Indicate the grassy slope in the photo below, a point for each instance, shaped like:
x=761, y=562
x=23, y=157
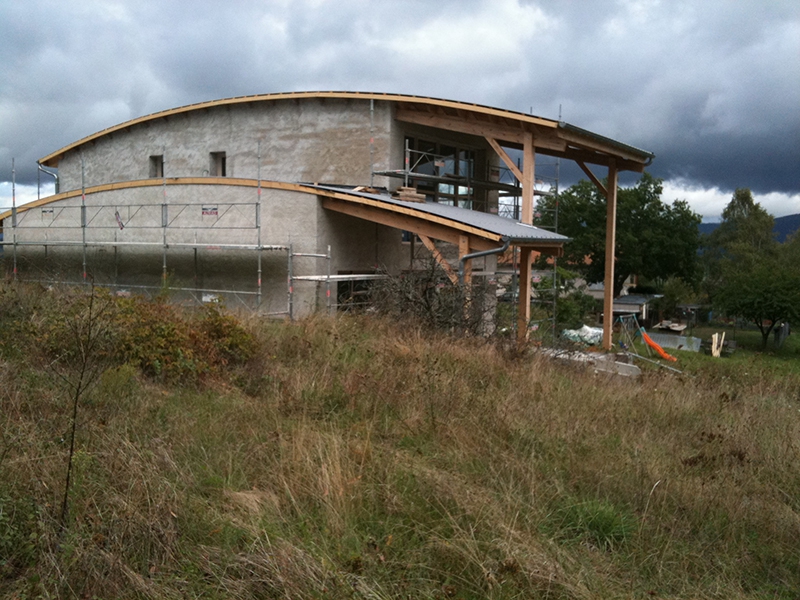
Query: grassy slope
x=353, y=458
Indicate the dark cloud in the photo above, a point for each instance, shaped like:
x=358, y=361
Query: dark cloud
x=711, y=87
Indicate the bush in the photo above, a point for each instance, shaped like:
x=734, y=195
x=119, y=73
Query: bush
x=430, y=298
x=162, y=340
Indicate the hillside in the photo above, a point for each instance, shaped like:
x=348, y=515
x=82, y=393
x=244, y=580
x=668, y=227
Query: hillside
x=220, y=457
x=784, y=227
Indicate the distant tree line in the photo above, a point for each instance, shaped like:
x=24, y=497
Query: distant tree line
x=739, y=269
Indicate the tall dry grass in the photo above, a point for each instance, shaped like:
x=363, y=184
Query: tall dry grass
x=359, y=458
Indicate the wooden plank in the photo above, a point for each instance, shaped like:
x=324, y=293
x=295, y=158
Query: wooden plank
x=403, y=210
x=473, y=232
x=495, y=123
x=528, y=177
x=463, y=250
x=593, y=177
x=441, y=260
x=611, y=234
x=546, y=250
x=505, y=158
x=594, y=158
x=590, y=143
x=380, y=212
x=524, y=300
x=477, y=128
x=139, y=183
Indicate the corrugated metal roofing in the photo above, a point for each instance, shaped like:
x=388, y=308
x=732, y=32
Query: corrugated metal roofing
x=508, y=229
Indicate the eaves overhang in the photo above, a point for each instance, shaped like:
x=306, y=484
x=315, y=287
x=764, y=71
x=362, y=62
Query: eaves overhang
x=553, y=137
x=648, y=156
x=489, y=227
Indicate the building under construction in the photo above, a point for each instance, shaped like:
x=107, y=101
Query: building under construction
x=282, y=201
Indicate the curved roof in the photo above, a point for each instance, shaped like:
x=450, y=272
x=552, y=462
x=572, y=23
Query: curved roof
x=510, y=121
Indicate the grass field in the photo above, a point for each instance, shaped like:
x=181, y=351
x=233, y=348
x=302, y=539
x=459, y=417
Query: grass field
x=748, y=357
x=231, y=457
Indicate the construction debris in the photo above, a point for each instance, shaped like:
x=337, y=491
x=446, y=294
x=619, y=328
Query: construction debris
x=599, y=362
x=592, y=336
x=409, y=194
x=717, y=342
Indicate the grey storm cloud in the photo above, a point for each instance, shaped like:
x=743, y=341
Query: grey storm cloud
x=712, y=88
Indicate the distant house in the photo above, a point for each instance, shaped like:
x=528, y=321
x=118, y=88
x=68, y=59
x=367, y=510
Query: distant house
x=635, y=304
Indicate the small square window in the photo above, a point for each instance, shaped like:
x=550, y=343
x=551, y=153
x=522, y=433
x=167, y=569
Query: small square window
x=156, y=166
x=218, y=166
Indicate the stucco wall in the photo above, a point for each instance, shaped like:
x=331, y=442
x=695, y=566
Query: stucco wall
x=313, y=140
x=133, y=255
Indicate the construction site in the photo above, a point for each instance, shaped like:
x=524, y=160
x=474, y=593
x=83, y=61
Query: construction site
x=292, y=203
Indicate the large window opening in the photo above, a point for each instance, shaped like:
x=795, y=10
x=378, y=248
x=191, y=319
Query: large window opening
x=442, y=172
x=218, y=167
x=156, y=166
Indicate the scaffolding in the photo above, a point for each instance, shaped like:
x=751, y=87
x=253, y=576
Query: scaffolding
x=509, y=191
x=160, y=227
x=430, y=168
x=136, y=217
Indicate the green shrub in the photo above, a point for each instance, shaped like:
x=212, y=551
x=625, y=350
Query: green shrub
x=222, y=337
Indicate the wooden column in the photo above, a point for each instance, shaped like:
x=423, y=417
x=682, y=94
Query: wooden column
x=611, y=234
x=463, y=250
x=524, y=301
x=528, y=168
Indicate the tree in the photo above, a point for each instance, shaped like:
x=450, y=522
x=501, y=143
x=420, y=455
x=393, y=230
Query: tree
x=748, y=273
x=744, y=222
x=654, y=240
x=760, y=287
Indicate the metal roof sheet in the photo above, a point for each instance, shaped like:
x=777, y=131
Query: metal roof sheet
x=508, y=229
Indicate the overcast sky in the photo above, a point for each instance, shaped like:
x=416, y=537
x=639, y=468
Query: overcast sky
x=712, y=87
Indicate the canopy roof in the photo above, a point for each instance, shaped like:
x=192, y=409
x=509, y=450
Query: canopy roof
x=555, y=138
x=492, y=227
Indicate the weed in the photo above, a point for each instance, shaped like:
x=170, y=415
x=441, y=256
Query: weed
x=355, y=457
x=597, y=522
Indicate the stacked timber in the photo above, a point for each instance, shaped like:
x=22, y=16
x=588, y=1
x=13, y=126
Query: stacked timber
x=409, y=194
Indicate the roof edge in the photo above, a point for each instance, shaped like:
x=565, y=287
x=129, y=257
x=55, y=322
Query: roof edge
x=649, y=156
x=51, y=160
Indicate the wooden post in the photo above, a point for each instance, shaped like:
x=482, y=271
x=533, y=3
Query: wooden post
x=528, y=178
x=524, y=300
x=463, y=250
x=611, y=234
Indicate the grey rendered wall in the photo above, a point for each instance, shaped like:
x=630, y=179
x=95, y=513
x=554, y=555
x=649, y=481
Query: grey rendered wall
x=309, y=140
x=360, y=245
x=287, y=218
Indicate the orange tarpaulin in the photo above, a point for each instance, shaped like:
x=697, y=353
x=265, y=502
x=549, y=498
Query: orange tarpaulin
x=656, y=347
